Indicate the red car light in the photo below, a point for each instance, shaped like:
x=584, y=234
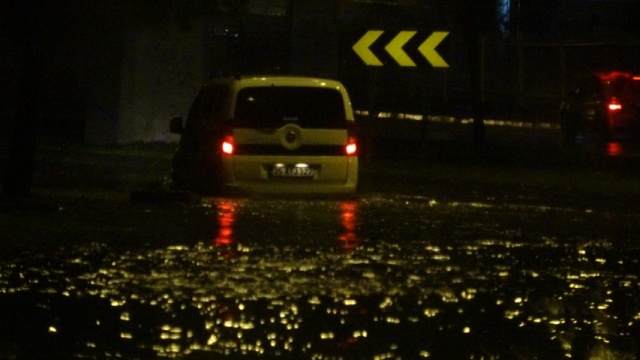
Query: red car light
x=614, y=105
x=228, y=145
x=351, y=148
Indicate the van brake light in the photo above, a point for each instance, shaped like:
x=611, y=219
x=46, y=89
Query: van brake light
x=351, y=148
x=228, y=145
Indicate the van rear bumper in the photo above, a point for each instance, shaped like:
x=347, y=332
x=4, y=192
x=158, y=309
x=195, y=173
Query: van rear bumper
x=251, y=175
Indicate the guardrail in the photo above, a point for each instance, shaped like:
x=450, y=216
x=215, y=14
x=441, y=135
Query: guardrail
x=365, y=115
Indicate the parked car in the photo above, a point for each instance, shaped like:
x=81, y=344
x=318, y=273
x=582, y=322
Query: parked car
x=267, y=134
x=602, y=106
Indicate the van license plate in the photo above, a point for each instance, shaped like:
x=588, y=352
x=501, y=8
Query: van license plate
x=292, y=171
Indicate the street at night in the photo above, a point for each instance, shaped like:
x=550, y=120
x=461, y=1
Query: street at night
x=320, y=179
x=464, y=257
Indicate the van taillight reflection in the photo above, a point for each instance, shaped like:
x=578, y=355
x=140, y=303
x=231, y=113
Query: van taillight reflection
x=226, y=218
x=614, y=149
x=348, y=220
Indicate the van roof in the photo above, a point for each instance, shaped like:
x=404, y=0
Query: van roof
x=278, y=80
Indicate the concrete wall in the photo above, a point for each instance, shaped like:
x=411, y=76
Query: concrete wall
x=104, y=71
x=314, y=38
x=162, y=68
x=9, y=71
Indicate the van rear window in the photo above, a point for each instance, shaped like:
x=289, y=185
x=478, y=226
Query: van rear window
x=273, y=107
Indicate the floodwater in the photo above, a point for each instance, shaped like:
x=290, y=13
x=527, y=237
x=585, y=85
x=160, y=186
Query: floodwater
x=383, y=276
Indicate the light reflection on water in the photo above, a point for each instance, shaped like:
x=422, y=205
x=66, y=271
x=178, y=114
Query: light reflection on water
x=226, y=218
x=622, y=148
x=433, y=280
x=614, y=149
x=349, y=220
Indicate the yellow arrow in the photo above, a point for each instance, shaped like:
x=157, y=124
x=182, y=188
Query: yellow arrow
x=394, y=48
x=428, y=48
x=362, y=47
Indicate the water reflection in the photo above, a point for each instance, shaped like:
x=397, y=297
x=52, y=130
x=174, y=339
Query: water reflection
x=226, y=217
x=627, y=148
x=348, y=220
x=230, y=232
x=614, y=149
x=456, y=281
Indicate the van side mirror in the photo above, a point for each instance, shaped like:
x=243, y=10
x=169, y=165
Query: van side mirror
x=176, y=125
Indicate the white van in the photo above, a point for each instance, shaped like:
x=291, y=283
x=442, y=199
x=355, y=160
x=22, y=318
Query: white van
x=268, y=134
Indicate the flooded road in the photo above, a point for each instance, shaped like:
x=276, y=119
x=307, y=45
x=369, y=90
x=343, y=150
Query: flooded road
x=383, y=276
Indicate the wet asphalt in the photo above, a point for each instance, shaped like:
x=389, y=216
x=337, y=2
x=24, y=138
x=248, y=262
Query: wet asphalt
x=516, y=248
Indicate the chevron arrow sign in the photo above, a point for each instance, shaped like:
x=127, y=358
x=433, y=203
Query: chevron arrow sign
x=395, y=48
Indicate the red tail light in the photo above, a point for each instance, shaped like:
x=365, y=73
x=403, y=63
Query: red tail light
x=351, y=148
x=228, y=145
x=614, y=105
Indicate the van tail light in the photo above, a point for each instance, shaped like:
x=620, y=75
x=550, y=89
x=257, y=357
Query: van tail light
x=351, y=149
x=614, y=105
x=228, y=146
